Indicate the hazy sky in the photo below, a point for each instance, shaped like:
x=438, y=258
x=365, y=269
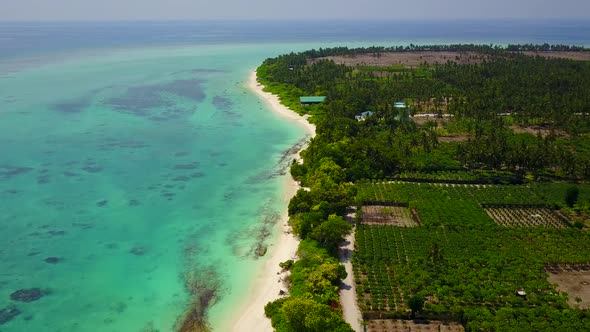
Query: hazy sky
x=290, y=9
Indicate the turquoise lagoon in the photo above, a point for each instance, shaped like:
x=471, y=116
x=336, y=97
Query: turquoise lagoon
x=143, y=176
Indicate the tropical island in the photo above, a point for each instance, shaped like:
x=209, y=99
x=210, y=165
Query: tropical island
x=460, y=170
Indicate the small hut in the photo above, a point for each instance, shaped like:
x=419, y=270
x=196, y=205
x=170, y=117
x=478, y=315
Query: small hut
x=311, y=100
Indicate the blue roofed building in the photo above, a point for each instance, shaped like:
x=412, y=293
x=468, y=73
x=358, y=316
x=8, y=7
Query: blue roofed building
x=363, y=116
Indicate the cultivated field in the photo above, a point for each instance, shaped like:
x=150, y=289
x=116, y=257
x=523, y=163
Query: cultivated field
x=378, y=287
x=462, y=255
x=526, y=217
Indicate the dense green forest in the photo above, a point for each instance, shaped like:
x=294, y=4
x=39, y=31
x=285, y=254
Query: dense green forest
x=485, y=101
x=501, y=134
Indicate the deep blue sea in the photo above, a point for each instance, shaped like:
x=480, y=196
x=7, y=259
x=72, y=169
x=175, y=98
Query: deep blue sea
x=137, y=170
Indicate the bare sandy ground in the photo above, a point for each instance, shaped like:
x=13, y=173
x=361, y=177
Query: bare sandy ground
x=578, y=56
x=268, y=284
x=406, y=59
x=393, y=325
x=416, y=58
x=576, y=284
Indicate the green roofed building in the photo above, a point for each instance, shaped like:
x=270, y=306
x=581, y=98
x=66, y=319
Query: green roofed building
x=310, y=100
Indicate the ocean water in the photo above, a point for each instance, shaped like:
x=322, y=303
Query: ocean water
x=138, y=174
x=149, y=175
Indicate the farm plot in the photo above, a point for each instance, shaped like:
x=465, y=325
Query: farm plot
x=526, y=217
x=574, y=279
x=461, y=260
x=378, y=287
x=387, y=215
x=471, y=269
x=463, y=205
x=395, y=325
x=480, y=194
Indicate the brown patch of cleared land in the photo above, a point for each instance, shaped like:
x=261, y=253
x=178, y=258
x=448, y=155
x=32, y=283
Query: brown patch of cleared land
x=544, y=131
x=421, y=118
x=414, y=59
x=407, y=59
x=456, y=138
x=388, y=215
x=578, y=56
x=573, y=279
x=395, y=325
x=526, y=217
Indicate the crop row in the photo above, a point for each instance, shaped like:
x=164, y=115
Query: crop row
x=449, y=204
x=481, y=194
x=461, y=267
x=379, y=289
x=546, y=193
x=476, y=176
x=526, y=217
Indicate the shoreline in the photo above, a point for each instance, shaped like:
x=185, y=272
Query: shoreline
x=275, y=105
x=249, y=315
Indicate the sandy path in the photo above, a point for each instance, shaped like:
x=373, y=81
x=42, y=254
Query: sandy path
x=351, y=312
x=267, y=285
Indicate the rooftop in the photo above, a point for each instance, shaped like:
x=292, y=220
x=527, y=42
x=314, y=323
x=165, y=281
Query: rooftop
x=363, y=115
x=312, y=99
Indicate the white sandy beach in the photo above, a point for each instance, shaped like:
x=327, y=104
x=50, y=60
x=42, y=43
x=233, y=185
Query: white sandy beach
x=266, y=286
x=275, y=104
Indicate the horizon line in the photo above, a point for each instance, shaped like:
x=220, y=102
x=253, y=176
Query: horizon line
x=294, y=20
